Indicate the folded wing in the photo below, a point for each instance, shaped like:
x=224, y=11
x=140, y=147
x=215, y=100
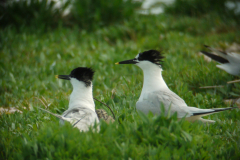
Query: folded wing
x=81, y=117
x=171, y=101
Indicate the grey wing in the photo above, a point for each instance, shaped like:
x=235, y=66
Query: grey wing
x=172, y=101
x=153, y=101
x=81, y=117
x=147, y=106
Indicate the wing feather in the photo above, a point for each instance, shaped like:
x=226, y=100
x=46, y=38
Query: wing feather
x=81, y=117
x=152, y=103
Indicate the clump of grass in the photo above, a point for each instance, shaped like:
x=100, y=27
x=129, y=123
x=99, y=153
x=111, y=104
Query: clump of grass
x=86, y=14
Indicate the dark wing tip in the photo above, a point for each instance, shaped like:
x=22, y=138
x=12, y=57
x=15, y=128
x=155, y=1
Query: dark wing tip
x=206, y=46
x=215, y=111
x=215, y=57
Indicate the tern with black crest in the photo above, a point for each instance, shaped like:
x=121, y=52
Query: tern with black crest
x=155, y=91
x=81, y=110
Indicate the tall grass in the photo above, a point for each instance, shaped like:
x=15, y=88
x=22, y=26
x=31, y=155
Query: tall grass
x=86, y=14
x=90, y=14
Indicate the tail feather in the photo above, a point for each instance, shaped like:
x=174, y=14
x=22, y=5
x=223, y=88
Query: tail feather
x=215, y=110
x=56, y=115
x=215, y=57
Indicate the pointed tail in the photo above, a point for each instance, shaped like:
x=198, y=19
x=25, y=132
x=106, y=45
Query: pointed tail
x=215, y=110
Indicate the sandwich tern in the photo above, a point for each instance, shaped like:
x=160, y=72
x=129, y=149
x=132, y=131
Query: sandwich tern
x=229, y=62
x=155, y=91
x=81, y=110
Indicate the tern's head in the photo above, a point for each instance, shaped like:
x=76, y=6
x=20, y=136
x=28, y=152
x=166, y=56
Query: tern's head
x=79, y=75
x=145, y=59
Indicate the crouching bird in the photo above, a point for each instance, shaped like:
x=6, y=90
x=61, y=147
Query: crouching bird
x=155, y=92
x=81, y=109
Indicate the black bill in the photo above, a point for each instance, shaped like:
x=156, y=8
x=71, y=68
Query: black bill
x=131, y=61
x=66, y=77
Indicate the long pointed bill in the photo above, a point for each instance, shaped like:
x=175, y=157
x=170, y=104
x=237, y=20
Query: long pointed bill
x=131, y=61
x=66, y=77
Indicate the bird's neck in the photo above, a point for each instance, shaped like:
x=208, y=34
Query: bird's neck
x=153, y=80
x=81, y=96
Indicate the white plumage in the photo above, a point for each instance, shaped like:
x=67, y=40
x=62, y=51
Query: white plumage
x=81, y=110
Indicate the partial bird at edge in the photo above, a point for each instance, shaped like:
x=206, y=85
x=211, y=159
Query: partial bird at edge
x=229, y=62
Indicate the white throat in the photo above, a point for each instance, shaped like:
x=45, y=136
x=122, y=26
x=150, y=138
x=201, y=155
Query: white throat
x=153, y=79
x=81, y=95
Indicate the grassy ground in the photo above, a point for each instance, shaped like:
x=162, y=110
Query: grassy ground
x=29, y=60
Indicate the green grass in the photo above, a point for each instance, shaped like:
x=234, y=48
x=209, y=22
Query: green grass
x=29, y=60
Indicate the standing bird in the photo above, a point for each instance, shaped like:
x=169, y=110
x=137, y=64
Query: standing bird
x=156, y=92
x=81, y=110
x=229, y=62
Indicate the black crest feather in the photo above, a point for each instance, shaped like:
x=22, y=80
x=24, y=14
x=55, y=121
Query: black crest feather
x=153, y=56
x=83, y=74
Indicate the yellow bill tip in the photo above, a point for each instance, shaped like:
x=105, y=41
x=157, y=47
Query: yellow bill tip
x=117, y=63
x=56, y=76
